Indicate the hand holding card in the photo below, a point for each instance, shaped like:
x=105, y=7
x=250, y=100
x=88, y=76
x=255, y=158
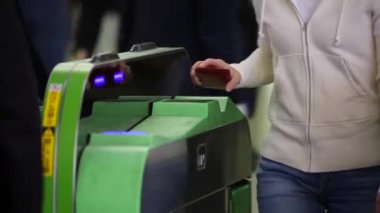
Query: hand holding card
x=213, y=77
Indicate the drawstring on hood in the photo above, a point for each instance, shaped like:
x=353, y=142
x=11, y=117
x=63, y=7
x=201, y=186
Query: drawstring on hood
x=262, y=12
x=337, y=35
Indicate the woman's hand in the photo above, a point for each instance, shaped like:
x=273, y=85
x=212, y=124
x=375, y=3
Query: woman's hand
x=81, y=54
x=217, y=64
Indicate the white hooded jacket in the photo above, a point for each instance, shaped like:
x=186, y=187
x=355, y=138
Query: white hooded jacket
x=325, y=106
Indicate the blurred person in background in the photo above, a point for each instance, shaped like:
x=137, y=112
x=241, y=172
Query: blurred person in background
x=88, y=27
x=227, y=31
x=47, y=22
x=22, y=78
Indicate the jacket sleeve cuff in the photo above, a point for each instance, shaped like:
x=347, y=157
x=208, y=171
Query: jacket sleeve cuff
x=256, y=70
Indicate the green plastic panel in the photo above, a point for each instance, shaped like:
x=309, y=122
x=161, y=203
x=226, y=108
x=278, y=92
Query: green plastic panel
x=59, y=76
x=241, y=198
x=67, y=141
x=112, y=165
x=112, y=116
x=111, y=174
x=177, y=119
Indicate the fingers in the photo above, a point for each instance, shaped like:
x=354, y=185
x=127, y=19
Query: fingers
x=235, y=80
x=218, y=64
x=215, y=63
x=81, y=54
x=194, y=77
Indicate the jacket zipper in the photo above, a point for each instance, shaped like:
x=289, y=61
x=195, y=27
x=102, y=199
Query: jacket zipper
x=309, y=91
x=308, y=69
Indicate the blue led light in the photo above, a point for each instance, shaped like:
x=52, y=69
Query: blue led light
x=118, y=77
x=121, y=132
x=99, y=81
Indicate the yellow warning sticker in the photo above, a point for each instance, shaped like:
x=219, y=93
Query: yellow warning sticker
x=48, y=152
x=52, y=105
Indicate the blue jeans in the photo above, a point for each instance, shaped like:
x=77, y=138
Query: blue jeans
x=282, y=189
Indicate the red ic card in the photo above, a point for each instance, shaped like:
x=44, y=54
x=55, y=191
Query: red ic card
x=213, y=77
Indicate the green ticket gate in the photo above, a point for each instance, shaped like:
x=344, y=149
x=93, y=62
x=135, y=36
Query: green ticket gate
x=106, y=149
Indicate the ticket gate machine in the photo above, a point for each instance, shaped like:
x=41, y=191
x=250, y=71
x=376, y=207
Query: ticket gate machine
x=118, y=136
